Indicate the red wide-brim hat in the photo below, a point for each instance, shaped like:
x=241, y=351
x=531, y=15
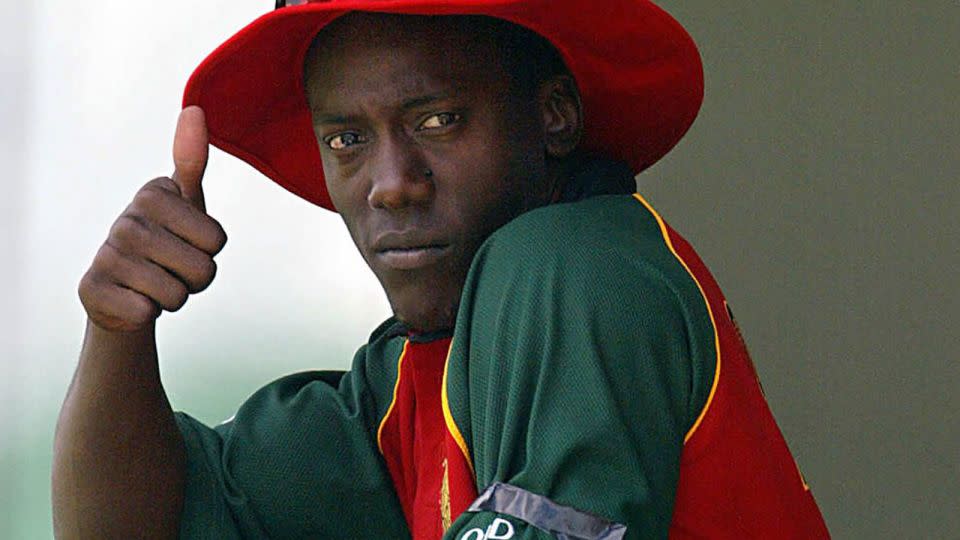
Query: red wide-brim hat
x=638, y=71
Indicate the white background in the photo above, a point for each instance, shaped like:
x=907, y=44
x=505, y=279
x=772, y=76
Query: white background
x=90, y=96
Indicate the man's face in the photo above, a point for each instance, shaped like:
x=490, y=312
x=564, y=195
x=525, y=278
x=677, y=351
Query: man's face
x=426, y=151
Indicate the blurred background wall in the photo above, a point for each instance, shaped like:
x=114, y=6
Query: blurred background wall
x=819, y=184
x=15, y=80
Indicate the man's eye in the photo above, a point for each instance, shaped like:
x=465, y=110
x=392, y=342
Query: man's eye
x=342, y=141
x=439, y=121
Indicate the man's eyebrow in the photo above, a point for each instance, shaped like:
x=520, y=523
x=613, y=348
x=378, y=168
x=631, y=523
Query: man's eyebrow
x=420, y=101
x=326, y=118
x=407, y=104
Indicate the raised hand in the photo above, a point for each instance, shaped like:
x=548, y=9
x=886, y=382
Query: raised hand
x=161, y=248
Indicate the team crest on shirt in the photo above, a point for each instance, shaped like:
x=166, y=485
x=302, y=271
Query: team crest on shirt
x=445, y=514
x=500, y=529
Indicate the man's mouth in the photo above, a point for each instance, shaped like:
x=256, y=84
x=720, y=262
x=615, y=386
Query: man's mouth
x=413, y=257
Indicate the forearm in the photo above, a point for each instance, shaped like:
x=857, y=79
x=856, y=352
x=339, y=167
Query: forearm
x=118, y=469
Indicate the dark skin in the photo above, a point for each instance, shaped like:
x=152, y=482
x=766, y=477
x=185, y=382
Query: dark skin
x=119, y=463
x=394, y=97
x=412, y=94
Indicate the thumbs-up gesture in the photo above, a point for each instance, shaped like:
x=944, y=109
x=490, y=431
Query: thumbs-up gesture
x=161, y=248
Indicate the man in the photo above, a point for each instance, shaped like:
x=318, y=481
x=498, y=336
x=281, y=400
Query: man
x=559, y=364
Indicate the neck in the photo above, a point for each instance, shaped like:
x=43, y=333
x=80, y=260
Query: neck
x=589, y=176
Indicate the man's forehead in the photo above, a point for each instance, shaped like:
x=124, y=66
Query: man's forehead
x=391, y=29
x=417, y=57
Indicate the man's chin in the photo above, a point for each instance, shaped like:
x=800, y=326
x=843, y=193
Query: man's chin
x=427, y=302
x=428, y=311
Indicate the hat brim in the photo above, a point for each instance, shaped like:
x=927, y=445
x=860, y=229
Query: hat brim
x=638, y=71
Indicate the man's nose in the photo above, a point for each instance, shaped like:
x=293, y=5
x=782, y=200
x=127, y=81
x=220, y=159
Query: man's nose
x=400, y=176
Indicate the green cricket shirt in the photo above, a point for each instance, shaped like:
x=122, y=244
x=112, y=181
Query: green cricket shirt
x=595, y=386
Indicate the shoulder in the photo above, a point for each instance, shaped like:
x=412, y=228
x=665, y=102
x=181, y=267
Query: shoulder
x=592, y=287
x=605, y=242
x=603, y=272
x=605, y=220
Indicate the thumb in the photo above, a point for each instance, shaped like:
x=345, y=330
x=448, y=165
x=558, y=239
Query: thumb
x=190, y=151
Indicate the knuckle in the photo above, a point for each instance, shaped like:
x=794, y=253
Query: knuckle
x=216, y=236
x=86, y=290
x=142, y=310
x=154, y=196
x=178, y=297
x=106, y=262
x=164, y=183
x=86, y=281
x=221, y=238
x=206, y=271
x=118, y=231
x=130, y=230
x=148, y=197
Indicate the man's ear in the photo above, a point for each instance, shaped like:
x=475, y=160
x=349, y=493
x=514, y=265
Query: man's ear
x=562, y=115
